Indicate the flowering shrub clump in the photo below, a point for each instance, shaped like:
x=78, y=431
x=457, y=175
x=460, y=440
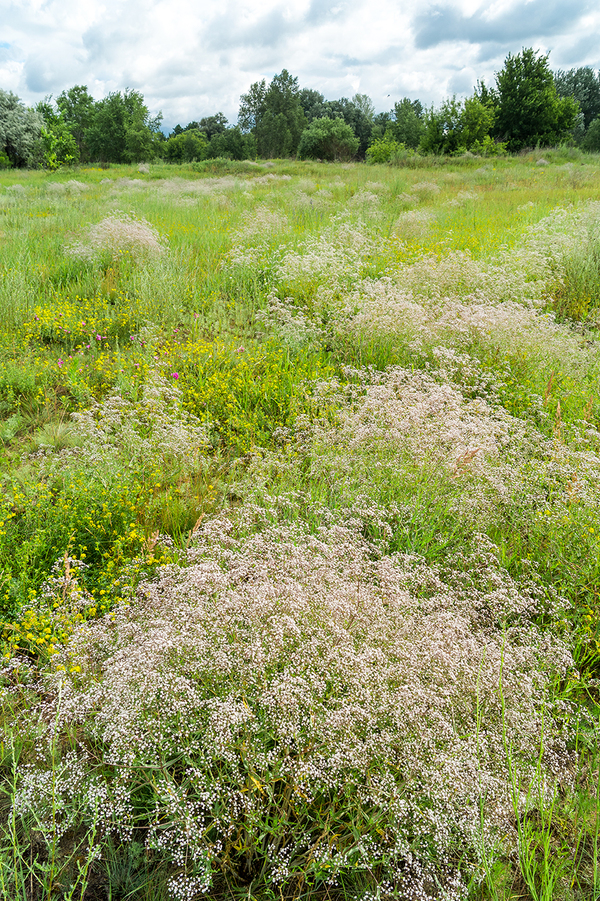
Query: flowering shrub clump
x=327, y=708
x=116, y=235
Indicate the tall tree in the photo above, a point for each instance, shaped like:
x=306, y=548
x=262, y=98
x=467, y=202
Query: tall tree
x=20, y=131
x=583, y=85
x=213, y=125
x=253, y=106
x=529, y=110
x=76, y=106
x=274, y=115
x=278, y=132
x=408, y=125
x=328, y=139
x=313, y=103
x=364, y=103
x=122, y=129
x=360, y=122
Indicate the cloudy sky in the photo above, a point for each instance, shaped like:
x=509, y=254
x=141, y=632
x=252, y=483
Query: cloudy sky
x=191, y=58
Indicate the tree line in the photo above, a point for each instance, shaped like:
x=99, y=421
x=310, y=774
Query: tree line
x=527, y=106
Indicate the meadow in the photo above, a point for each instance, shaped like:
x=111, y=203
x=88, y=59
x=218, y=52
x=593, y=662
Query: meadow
x=299, y=536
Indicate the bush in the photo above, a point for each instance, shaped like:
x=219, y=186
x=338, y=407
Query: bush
x=383, y=149
x=188, y=146
x=328, y=139
x=591, y=141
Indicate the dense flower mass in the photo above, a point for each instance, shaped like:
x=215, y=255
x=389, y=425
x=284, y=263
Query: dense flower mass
x=115, y=235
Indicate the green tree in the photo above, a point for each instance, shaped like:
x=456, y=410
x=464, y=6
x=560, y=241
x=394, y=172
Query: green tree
x=408, y=125
x=313, y=103
x=381, y=123
x=253, y=106
x=457, y=126
x=59, y=146
x=122, y=130
x=274, y=115
x=354, y=115
x=529, y=110
x=382, y=150
x=442, y=128
x=76, y=107
x=358, y=113
x=476, y=123
x=185, y=147
x=328, y=139
x=591, y=141
x=583, y=85
x=366, y=106
x=213, y=125
x=278, y=133
x=20, y=131
x=232, y=144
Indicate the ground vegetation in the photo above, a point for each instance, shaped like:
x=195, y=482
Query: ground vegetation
x=299, y=545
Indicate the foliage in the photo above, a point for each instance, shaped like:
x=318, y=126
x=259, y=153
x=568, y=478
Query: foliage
x=186, y=146
x=281, y=108
x=408, y=126
x=20, y=131
x=591, y=141
x=208, y=126
x=365, y=105
x=457, y=126
x=253, y=106
x=583, y=85
x=274, y=115
x=358, y=113
x=281, y=124
x=121, y=129
x=355, y=116
x=381, y=150
x=529, y=110
x=328, y=139
x=232, y=143
x=59, y=146
x=76, y=106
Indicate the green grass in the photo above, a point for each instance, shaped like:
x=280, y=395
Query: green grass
x=262, y=384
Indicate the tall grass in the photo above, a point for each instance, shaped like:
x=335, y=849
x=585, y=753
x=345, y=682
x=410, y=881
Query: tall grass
x=299, y=549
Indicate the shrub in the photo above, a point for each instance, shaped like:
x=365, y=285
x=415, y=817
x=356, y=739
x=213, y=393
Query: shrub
x=183, y=148
x=328, y=139
x=591, y=141
x=383, y=149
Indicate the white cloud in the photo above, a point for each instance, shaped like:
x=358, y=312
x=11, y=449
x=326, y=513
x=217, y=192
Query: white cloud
x=191, y=59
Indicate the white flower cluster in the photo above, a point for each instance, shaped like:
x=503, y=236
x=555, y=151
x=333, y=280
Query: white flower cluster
x=118, y=234
x=305, y=670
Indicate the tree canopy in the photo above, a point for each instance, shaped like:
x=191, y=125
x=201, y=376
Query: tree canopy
x=529, y=110
x=20, y=131
x=527, y=106
x=328, y=139
x=274, y=115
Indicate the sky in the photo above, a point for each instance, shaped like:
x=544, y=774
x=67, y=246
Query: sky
x=191, y=59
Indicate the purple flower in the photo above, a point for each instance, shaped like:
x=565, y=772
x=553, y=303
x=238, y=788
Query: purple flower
x=175, y=375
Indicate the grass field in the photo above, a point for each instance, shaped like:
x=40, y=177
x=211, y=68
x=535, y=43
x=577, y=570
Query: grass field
x=299, y=535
